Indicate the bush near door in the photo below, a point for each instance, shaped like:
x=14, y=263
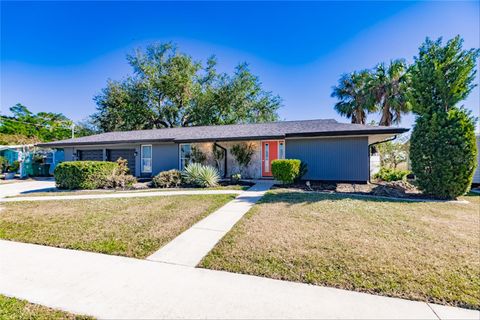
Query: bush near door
x=286, y=170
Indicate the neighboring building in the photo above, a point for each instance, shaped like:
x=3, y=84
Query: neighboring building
x=25, y=154
x=476, y=176
x=333, y=151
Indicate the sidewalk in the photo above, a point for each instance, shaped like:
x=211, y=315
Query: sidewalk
x=123, y=288
x=13, y=189
x=191, y=246
x=121, y=195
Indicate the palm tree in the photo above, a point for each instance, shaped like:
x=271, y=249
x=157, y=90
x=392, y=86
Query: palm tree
x=355, y=96
x=389, y=87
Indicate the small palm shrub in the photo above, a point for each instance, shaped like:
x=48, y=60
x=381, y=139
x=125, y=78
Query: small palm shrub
x=286, y=170
x=167, y=179
x=390, y=174
x=201, y=175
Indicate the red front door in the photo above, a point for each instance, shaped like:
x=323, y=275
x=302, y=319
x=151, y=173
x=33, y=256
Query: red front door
x=269, y=153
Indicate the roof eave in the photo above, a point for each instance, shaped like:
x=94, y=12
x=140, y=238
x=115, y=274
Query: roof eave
x=347, y=133
x=93, y=143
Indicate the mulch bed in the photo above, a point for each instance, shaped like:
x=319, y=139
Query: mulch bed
x=395, y=189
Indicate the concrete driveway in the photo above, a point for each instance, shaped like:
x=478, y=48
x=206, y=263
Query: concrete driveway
x=22, y=187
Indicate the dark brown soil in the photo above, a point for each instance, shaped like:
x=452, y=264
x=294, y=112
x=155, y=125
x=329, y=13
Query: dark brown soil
x=395, y=189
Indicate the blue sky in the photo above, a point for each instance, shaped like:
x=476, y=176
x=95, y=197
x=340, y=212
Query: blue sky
x=55, y=56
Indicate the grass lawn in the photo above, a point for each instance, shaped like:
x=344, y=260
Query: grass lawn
x=420, y=251
x=15, y=309
x=109, y=191
x=133, y=227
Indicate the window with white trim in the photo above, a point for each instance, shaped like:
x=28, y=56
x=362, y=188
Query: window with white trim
x=146, y=158
x=267, y=157
x=281, y=150
x=185, y=155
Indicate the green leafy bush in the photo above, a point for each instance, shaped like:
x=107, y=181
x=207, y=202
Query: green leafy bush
x=14, y=167
x=442, y=146
x=83, y=174
x=391, y=174
x=201, y=175
x=302, y=171
x=286, y=170
x=3, y=164
x=167, y=179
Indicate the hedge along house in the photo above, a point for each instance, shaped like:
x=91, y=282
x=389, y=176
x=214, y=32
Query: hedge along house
x=333, y=151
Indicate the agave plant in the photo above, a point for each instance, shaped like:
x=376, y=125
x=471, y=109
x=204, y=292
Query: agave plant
x=201, y=175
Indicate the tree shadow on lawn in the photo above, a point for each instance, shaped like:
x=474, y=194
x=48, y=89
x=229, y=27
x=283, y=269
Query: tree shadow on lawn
x=297, y=197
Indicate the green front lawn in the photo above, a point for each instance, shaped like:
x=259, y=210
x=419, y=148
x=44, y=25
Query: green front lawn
x=421, y=251
x=15, y=309
x=133, y=227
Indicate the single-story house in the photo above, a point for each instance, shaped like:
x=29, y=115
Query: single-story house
x=476, y=175
x=333, y=151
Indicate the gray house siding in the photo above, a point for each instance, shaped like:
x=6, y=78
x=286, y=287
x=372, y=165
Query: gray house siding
x=338, y=159
x=68, y=153
x=476, y=175
x=164, y=157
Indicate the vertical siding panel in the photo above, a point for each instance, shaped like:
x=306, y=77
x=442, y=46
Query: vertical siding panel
x=164, y=157
x=340, y=159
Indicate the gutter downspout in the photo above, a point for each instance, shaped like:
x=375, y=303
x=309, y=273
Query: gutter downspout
x=370, y=145
x=224, y=158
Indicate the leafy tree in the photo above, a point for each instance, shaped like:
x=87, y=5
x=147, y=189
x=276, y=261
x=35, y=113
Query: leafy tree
x=443, y=148
x=169, y=89
x=354, y=92
x=390, y=87
x=393, y=153
x=26, y=127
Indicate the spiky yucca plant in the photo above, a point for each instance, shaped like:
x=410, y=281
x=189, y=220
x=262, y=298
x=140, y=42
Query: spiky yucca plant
x=201, y=175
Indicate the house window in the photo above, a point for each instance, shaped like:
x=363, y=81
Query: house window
x=281, y=150
x=146, y=158
x=267, y=158
x=185, y=155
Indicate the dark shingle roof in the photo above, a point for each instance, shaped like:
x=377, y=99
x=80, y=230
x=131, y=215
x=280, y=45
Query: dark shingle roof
x=271, y=130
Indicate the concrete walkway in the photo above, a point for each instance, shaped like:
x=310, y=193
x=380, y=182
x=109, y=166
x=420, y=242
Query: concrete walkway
x=121, y=195
x=192, y=245
x=112, y=287
x=13, y=189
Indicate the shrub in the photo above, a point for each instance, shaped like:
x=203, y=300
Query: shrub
x=3, y=164
x=201, y=175
x=286, y=170
x=302, y=171
x=236, y=177
x=167, y=179
x=83, y=174
x=120, y=179
x=443, y=149
x=391, y=174
x=14, y=166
